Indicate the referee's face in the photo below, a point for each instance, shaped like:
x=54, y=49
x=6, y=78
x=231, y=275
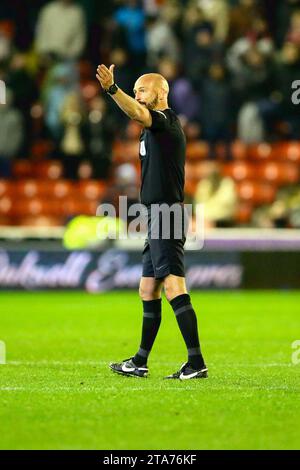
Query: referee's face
x=146, y=93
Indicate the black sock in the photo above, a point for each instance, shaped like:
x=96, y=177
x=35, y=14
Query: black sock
x=151, y=323
x=187, y=322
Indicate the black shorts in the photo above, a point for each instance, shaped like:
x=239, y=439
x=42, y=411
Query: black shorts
x=164, y=255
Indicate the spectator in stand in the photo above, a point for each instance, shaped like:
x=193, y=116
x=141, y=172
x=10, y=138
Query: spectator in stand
x=241, y=18
x=200, y=51
x=216, y=108
x=61, y=80
x=218, y=194
x=217, y=13
x=251, y=82
x=125, y=184
x=278, y=108
x=184, y=40
x=5, y=47
x=294, y=215
x=60, y=31
x=72, y=143
x=125, y=80
x=123, y=73
x=287, y=70
x=192, y=17
x=11, y=135
x=131, y=18
x=293, y=34
x=25, y=92
x=126, y=181
x=284, y=212
x=193, y=22
x=257, y=36
x=182, y=97
x=251, y=75
x=23, y=16
x=100, y=131
x=171, y=13
x=160, y=41
x=250, y=60
x=282, y=18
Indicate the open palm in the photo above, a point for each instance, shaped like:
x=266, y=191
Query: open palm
x=105, y=76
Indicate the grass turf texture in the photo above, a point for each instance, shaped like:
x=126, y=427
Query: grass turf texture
x=56, y=391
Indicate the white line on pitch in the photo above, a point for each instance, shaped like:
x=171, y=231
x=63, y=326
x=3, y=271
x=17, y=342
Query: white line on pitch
x=141, y=389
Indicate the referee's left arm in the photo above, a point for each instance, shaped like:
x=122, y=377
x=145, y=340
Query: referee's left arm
x=129, y=105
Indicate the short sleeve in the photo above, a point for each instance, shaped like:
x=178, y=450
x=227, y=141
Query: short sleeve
x=160, y=120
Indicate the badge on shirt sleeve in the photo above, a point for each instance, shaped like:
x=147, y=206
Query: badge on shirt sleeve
x=142, y=148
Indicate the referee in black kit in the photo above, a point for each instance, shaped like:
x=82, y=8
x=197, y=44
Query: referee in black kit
x=162, y=155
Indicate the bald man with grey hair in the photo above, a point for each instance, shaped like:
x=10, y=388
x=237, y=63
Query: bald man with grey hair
x=162, y=156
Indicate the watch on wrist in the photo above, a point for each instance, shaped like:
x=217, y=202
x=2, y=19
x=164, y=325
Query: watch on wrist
x=112, y=89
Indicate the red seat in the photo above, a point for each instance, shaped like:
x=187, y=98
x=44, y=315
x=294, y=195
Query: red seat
x=41, y=221
x=89, y=207
x=62, y=189
x=262, y=151
x=44, y=188
x=243, y=213
x=51, y=169
x=133, y=130
x=190, y=187
x=192, y=171
x=240, y=170
x=22, y=169
x=280, y=172
x=126, y=151
x=238, y=150
x=288, y=151
x=32, y=188
x=27, y=188
x=255, y=192
x=91, y=189
x=220, y=151
x=196, y=170
x=6, y=221
x=73, y=207
x=6, y=205
x=35, y=206
x=6, y=187
x=196, y=150
x=293, y=151
x=41, y=149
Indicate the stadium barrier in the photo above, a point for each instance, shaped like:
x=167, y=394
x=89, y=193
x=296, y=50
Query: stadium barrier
x=230, y=259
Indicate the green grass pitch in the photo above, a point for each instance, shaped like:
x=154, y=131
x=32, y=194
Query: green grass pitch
x=56, y=391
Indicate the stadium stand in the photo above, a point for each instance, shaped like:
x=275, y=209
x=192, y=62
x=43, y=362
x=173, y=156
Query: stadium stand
x=67, y=122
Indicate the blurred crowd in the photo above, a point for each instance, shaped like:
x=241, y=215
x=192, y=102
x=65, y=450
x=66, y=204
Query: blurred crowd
x=230, y=65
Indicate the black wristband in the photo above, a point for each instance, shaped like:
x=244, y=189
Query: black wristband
x=112, y=89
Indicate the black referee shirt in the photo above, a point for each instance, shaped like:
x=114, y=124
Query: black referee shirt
x=162, y=155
